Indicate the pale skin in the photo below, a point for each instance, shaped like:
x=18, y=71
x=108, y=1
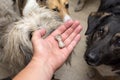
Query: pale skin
x=48, y=57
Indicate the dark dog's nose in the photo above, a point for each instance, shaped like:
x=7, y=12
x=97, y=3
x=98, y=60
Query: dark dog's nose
x=92, y=58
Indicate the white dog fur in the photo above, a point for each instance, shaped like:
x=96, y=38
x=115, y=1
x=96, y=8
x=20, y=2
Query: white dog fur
x=15, y=34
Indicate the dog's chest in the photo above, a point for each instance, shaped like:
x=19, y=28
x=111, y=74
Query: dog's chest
x=106, y=70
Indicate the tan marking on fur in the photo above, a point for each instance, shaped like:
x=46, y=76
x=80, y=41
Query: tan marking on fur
x=114, y=38
x=117, y=35
x=96, y=14
x=106, y=28
x=101, y=14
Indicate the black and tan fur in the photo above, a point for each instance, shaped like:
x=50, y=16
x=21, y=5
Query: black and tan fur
x=103, y=36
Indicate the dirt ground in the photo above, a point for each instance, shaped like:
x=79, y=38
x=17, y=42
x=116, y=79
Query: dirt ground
x=79, y=70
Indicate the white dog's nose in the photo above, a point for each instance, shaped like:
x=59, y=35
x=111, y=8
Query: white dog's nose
x=66, y=18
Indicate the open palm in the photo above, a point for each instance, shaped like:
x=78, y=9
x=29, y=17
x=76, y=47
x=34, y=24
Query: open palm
x=48, y=50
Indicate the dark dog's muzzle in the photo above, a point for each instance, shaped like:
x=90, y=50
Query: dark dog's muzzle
x=92, y=59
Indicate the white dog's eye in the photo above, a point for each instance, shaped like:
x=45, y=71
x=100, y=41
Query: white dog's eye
x=56, y=9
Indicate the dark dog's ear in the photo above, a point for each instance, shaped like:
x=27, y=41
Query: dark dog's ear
x=94, y=19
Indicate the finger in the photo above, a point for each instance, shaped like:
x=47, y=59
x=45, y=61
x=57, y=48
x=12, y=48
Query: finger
x=62, y=28
x=73, y=35
x=75, y=41
x=70, y=30
x=38, y=34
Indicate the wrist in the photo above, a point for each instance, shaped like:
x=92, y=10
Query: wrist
x=44, y=68
x=35, y=70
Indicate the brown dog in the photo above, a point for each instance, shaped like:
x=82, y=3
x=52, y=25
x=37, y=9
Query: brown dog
x=60, y=6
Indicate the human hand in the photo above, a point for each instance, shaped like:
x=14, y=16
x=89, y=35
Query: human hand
x=47, y=51
x=47, y=56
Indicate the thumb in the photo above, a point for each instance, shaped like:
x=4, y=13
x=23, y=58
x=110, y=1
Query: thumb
x=38, y=34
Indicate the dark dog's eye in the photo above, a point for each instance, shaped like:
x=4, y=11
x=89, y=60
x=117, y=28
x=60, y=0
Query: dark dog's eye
x=56, y=9
x=117, y=43
x=100, y=32
x=67, y=6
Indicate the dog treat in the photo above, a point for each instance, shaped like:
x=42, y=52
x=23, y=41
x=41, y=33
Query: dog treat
x=60, y=42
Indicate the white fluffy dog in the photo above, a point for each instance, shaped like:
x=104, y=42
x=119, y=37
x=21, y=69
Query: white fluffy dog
x=15, y=34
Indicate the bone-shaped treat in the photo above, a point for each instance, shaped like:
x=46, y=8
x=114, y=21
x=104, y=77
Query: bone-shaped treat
x=60, y=42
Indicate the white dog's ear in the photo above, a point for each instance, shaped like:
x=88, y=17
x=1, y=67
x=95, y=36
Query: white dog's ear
x=41, y=2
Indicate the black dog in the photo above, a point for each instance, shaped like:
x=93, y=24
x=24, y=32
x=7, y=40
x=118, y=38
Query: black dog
x=103, y=36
